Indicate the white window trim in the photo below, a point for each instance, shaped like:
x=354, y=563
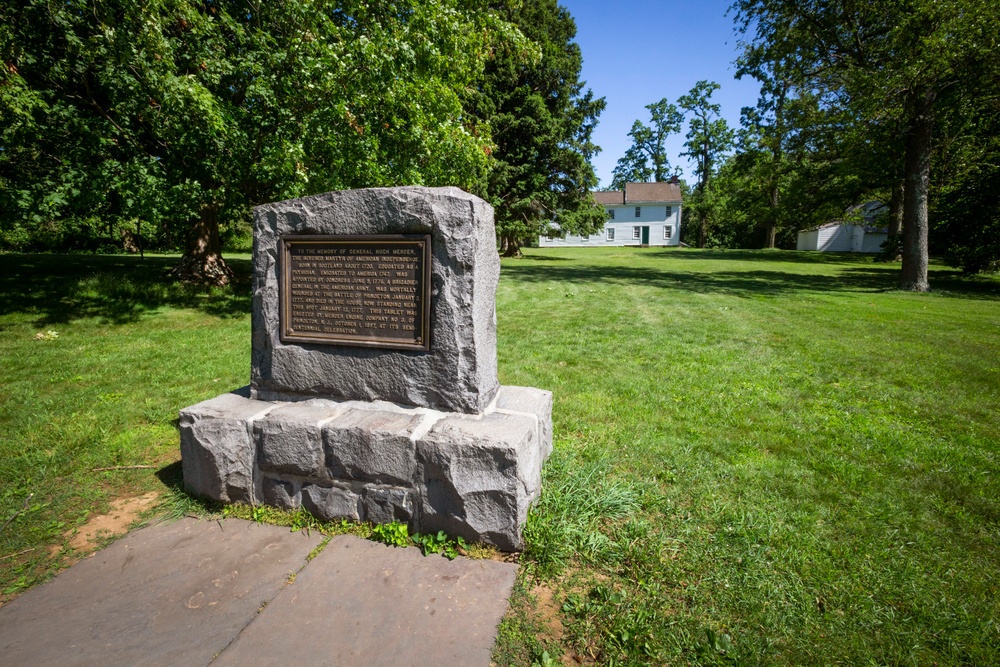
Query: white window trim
x=611, y=233
x=636, y=232
x=668, y=232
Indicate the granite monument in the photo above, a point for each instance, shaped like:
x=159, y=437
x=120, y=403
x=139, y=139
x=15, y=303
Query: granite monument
x=373, y=389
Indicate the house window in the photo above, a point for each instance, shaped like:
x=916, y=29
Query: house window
x=667, y=232
x=636, y=231
x=611, y=214
x=670, y=211
x=638, y=211
x=611, y=233
x=585, y=238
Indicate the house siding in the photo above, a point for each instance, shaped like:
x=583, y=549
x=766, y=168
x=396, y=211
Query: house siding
x=840, y=238
x=872, y=242
x=653, y=216
x=808, y=240
x=835, y=239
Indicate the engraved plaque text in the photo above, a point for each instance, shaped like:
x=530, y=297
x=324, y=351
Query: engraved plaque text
x=371, y=291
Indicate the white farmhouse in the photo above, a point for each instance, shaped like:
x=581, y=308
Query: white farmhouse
x=647, y=214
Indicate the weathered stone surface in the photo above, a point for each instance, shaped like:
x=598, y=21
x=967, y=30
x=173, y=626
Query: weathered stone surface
x=459, y=373
x=280, y=493
x=360, y=603
x=467, y=475
x=372, y=445
x=480, y=476
x=328, y=503
x=174, y=593
x=385, y=504
x=289, y=439
x=217, y=455
x=529, y=400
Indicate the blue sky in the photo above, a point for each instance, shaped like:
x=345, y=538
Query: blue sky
x=639, y=51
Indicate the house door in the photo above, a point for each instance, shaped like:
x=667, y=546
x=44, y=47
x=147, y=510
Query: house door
x=645, y=235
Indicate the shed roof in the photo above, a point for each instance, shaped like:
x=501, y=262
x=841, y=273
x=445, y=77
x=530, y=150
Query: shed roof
x=869, y=229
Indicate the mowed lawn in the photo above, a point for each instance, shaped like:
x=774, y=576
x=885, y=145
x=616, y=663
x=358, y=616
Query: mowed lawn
x=761, y=457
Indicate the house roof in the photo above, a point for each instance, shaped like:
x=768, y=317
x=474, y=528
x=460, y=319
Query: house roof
x=610, y=197
x=638, y=193
x=652, y=192
x=862, y=215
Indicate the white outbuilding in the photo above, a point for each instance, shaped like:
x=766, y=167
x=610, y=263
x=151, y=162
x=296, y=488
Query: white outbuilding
x=843, y=236
x=643, y=214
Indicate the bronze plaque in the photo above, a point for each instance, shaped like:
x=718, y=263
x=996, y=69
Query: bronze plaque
x=372, y=291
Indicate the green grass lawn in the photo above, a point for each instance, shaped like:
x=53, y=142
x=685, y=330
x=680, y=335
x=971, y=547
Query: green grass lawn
x=761, y=457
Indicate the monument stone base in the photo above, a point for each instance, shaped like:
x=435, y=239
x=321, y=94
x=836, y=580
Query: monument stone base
x=470, y=475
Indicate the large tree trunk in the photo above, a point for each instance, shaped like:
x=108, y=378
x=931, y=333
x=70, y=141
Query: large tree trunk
x=512, y=247
x=893, y=243
x=913, y=274
x=896, y=209
x=772, y=220
x=777, y=151
x=702, y=228
x=202, y=260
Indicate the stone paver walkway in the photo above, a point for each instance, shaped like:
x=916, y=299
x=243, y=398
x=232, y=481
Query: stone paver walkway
x=238, y=593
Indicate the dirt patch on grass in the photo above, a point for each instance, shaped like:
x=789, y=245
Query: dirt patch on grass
x=123, y=514
x=547, y=612
x=87, y=537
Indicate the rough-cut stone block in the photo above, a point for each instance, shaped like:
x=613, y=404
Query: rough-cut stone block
x=328, y=503
x=280, y=493
x=372, y=445
x=385, y=504
x=289, y=439
x=480, y=476
x=529, y=400
x=216, y=452
x=459, y=373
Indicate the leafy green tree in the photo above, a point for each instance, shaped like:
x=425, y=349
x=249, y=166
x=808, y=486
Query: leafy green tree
x=966, y=227
x=762, y=153
x=542, y=121
x=791, y=160
x=188, y=112
x=887, y=63
x=708, y=138
x=646, y=159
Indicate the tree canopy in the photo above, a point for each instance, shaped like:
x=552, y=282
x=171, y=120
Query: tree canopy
x=542, y=120
x=185, y=113
x=646, y=158
x=889, y=72
x=708, y=138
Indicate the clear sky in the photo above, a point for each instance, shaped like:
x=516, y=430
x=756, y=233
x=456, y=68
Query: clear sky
x=636, y=52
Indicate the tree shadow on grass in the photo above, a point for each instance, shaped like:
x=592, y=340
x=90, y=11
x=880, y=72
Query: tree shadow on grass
x=948, y=282
x=115, y=288
x=537, y=258
x=739, y=255
x=748, y=283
